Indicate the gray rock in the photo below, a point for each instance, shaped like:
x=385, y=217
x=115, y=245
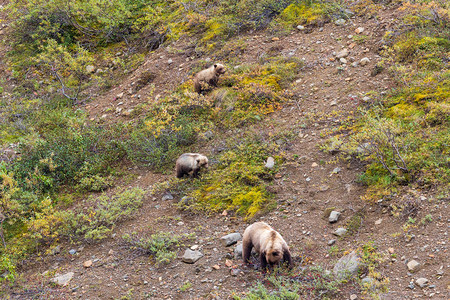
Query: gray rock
x=300, y=27
x=72, y=251
x=231, y=239
x=355, y=64
x=63, y=280
x=422, y=282
x=343, y=53
x=366, y=99
x=90, y=69
x=340, y=231
x=413, y=265
x=191, y=257
x=347, y=265
x=336, y=170
x=270, y=163
x=343, y=60
x=235, y=272
x=56, y=250
x=411, y=285
x=170, y=61
x=238, y=251
x=334, y=216
x=167, y=196
x=333, y=103
x=349, y=12
x=186, y=200
x=339, y=22
x=364, y=61
x=331, y=242
x=367, y=280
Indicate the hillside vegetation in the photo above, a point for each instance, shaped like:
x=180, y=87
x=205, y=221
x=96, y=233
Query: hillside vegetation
x=58, y=166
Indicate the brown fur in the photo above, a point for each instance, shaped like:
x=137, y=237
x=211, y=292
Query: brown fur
x=210, y=76
x=270, y=245
x=190, y=164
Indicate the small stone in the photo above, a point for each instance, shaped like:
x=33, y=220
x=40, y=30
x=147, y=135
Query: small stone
x=300, y=27
x=238, y=251
x=336, y=170
x=111, y=252
x=270, y=163
x=228, y=263
x=334, y=216
x=87, y=264
x=167, y=196
x=313, y=165
x=422, y=282
x=391, y=250
x=367, y=280
x=340, y=232
x=216, y=267
x=128, y=112
x=364, y=61
x=366, y=99
x=411, y=285
x=231, y=239
x=343, y=53
x=353, y=297
x=120, y=95
x=90, y=69
x=331, y=242
x=235, y=272
x=347, y=265
x=413, y=266
x=324, y=187
x=169, y=61
x=63, y=280
x=56, y=250
x=378, y=222
x=343, y=60
x=333, y=103
x=195, y=247
x=339, y=22
x=190, y=256
x=72, y=251
x=355, y=64
x=359, y=30
x=275, y=39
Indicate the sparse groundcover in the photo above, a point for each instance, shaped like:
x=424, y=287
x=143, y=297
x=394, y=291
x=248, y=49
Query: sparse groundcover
x=162, y=246
x=237, y=182
x=405, y=139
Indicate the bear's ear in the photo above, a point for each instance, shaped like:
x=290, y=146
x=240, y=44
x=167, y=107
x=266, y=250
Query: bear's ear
x=215, y=66
x=198, y=160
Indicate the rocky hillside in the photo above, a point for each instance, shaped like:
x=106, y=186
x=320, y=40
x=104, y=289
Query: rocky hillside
x=331, y=124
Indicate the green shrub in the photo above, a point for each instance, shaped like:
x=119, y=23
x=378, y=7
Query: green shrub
x=100, y=215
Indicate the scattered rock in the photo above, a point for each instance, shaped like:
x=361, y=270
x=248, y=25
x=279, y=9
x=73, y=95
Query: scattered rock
x=216, y=267
x=364, y=61
x=340, y=231
x=359, y=30
x=120, y=95
x=391, y=250
x=231, y=239
x=347, y=265
x=270, y=163
x=238, y=251
x=313, y=165
x=170, y=61
x=339, y=22
x=128, y=112
x=186, y=201
x=353, y=297
x=191, y=257
x=343, y=60
x=275, y=39
x=87, y=264
x=366, y=99
x=343, y=53
x=422, y=282
x=300, y=27
x=378, y=222
x=367, y=280
x=334, y=216
x=333, y=103
x=111, y=252
x=194, y=247
x=167, y=196
x=331, y=242
x=235, y=272
x=336, y=170
x=228, y=263
x=72, y=251
x=90, y=69
x=413, y=265
x=63, y=280
x=324, y=187
x=355, y=64
x=56, y=250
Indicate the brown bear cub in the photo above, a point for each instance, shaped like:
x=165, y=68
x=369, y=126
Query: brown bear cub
x=190, y=164
x=210, y=76
x=269, y=244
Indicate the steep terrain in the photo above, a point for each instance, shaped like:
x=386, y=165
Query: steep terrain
x=310, y=182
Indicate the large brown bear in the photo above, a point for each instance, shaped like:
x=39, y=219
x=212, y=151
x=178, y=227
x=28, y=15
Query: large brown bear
x=210, y=76
x=190, y=164
x=269, y=244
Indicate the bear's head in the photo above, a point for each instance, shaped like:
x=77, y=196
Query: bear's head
x=219, y=69
x=202, y=161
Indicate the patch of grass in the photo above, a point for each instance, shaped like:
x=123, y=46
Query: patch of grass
x=354, y=223
x=186, y=286
x=161, y=246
